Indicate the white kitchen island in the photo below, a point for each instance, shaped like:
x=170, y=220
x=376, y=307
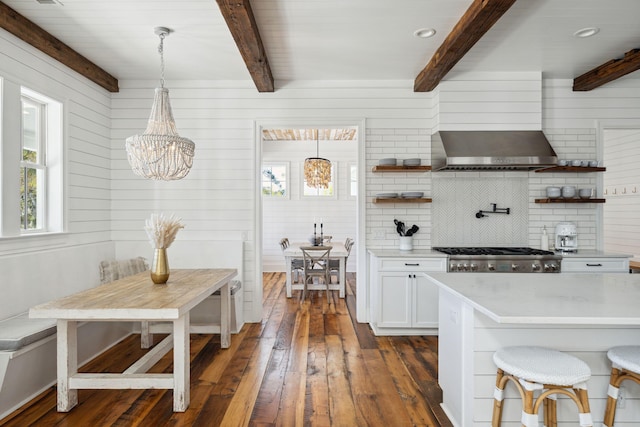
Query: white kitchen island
x=583, y=315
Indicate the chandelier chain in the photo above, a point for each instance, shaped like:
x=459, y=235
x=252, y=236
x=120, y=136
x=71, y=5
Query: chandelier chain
x=161, y=52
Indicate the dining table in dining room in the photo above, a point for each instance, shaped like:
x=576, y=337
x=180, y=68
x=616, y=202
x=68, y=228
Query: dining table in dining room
x=136, y=298
x=338, y=252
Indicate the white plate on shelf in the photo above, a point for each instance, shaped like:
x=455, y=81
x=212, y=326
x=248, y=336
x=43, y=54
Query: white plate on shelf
x=388, y=162
x=411, y=162
x=387, y=195
x=412, y=194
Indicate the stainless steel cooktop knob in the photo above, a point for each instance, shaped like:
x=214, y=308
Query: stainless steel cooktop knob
x=474, y=267
x=491, y=267
x=514, y=267
x=460, y=268
x=465, y=267
x=550, y=267
x=452, y=267
x=535, y=267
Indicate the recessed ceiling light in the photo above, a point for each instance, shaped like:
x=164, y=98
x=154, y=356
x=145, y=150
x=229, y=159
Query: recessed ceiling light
x=425, y=33
x=586, y=32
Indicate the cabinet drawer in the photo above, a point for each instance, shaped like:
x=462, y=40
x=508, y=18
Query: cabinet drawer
x=413, y=264
x=595, y=265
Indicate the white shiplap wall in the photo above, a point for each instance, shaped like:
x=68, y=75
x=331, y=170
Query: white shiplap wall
x=36, y=269
x=490, y=101
x=87, y=122
x=621, y=154
x=218, y=198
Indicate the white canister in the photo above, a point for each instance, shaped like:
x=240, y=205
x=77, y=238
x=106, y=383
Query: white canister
x=406, y=243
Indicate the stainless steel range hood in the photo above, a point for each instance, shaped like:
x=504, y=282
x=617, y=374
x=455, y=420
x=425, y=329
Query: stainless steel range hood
x=491, y=150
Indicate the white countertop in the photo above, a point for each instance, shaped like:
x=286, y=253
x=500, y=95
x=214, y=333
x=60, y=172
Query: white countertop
x=592, y=253
x=538, y=298
x=416, y=253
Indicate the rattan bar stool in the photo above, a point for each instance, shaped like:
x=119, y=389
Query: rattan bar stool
x=625, y=365
x=543, y=370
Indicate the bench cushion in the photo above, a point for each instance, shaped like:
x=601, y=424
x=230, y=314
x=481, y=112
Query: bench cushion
x=19, y=331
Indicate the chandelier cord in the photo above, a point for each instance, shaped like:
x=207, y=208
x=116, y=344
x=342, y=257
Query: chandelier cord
x=161, y=52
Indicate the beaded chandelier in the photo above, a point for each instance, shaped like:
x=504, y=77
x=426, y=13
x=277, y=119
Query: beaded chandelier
x=160, y=153
x=317, y=171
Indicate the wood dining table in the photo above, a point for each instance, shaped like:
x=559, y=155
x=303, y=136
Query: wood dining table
x=338, y=252
x=129, y=299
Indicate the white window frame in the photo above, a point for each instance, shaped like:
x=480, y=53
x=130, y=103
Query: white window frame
x=334, y=180
x=50, y=164
x=348, y=178
x=40, y=165
x=287, y=194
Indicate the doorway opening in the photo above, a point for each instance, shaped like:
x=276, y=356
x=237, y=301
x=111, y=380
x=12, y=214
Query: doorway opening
x=288, y=206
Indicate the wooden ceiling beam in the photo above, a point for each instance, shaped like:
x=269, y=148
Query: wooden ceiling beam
x=608, y=72
x=243, y=27
x=37, y=37
x=475, y=22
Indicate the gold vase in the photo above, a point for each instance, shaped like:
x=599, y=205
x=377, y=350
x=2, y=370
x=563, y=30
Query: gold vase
x=160, y=266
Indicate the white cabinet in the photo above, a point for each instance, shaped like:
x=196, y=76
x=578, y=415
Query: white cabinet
x=577, y=264
x=404, y=302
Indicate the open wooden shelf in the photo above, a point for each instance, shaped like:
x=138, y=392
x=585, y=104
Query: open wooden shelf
x=382, y=168
x=401, y=200
x=561, y=200
x=570, y=169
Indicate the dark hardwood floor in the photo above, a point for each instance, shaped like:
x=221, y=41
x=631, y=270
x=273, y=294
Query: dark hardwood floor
x=306, y=364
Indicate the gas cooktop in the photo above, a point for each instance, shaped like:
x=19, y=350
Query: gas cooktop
x=501, y=260
x=507, y=251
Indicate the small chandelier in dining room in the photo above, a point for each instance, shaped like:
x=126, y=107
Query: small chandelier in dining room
x=317, y=170
x=160, y=153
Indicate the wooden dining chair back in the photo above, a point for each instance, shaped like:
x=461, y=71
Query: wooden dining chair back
x=316, y=266
x=296, y=263
x=334, y=264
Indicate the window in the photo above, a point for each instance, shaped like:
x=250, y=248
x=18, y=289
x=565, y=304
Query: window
x=40, y=168
x=33, y=165
x=321, y=192
x=275, y=180
x=353, y=180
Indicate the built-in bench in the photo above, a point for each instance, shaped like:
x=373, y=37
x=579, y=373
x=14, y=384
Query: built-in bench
x=19, y=334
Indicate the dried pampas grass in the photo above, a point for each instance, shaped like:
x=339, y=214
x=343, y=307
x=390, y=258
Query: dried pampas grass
x=162, y=230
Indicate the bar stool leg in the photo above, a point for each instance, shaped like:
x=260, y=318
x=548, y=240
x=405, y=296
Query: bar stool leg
x=550, y=411
x=498, y=396
x=610, y=412
x=585, y=411
x=529, y=417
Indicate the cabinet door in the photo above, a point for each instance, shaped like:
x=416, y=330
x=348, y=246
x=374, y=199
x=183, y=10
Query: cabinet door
x=394, y=309
x=425, y=303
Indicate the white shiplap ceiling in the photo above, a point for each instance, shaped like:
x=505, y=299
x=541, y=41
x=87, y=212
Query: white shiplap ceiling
x=335, y=39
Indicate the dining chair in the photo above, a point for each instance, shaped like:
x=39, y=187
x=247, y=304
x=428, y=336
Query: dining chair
x=334, y=264
x=316, y=266
x=111, y=270
x=296, y=263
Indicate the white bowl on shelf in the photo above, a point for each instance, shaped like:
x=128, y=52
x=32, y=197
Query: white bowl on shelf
x=553, y=192
x=576, y=162
x=388, y=162
x=585, y=193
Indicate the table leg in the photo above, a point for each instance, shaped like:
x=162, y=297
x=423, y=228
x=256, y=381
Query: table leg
x=343, y=276
x=225, y=315
x=288, y=267
x=181, y=364
x=67, y=342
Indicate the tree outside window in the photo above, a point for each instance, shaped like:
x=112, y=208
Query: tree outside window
x=275, y=180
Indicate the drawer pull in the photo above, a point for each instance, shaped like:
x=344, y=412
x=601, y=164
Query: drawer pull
x=594, y=265
x=410, y=264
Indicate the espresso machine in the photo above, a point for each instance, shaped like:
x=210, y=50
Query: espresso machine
x=566, y=237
